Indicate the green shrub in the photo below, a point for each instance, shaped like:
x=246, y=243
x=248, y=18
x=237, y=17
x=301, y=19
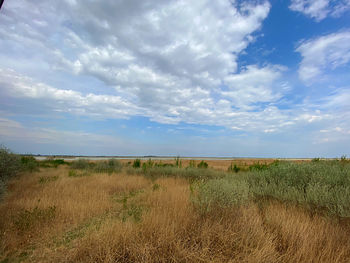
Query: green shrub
x=81, y=164
x=192, y=164
x=110, y=166
x=189, y=173
x=233, y=168
x=258, y=167
x=74, y=173
x=136, y=163
x=29, y=163
x=52, y=163
x=223, y=192
x=160, y=164
x=202, y=165
x=10, y=164
x=178, y=162
x=323, y=185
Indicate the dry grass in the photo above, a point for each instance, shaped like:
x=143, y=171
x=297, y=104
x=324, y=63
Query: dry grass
x=124, y=218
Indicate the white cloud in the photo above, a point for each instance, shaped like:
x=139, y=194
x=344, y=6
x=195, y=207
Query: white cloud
x=323, y=54
x=170, y=61
x=196, y=106
x=320, y=9
x=19, y=86
x=254, y=85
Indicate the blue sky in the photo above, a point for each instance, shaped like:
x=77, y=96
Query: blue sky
x=189, y=78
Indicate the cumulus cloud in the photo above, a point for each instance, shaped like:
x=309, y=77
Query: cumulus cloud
x=170, y=61
x=197, y=105
x=320, y=9
x=322, y=54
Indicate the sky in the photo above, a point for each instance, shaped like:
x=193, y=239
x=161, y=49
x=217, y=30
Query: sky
x=178, y=77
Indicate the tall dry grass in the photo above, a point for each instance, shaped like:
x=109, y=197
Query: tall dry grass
x=129, y=218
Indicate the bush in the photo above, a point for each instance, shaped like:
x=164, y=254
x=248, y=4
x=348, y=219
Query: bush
x=80, y=164
x=192, y=164
x=136, y=163
x=10, y=164
x=258, y=167
x=220, y=193
x=202, y=165
x=321, y=185
x=29, y=163
x=52, y=163
x=233, y=168
x=189, y=173
x=110, y=166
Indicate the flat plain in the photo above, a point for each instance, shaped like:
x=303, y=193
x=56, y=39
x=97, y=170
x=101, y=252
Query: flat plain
x=177, y=211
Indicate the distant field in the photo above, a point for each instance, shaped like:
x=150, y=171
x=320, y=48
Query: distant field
x=176, y=210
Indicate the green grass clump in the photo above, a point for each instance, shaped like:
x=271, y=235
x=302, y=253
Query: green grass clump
x=233, y=168
x=81, y=164
x=169, y=171
x=222, y=192
x=75, y=173
x=52, y=163
x=29, y=163
x=192, y=164
x=110, y=166
x=47, y=179
x=136, y=163
x=202, y=165
x=178, y=162
x=321, y=185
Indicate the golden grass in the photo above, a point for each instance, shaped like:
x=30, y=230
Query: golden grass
x=123, y=218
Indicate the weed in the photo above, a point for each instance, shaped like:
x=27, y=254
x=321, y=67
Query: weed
x=52, y=163
x=110, y=166
x=233, y=168
x=155, y=187
x=192, y=164
x=26, y=219
x=202, y=165
x=136, y=163
x=81, y=164
x=10, y=163
x=258, y=167
x=47, y=179
x=29, y=163
x=74, y=173
x=178, y=162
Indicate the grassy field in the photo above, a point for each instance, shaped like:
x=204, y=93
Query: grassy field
x=178, y=211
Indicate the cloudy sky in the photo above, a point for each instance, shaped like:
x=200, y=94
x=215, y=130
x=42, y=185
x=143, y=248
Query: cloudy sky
x=177, y=77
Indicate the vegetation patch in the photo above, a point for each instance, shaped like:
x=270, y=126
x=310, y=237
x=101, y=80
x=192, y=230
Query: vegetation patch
x=26, y=219
x=52, y=163
x=74, y=173
x=47, y=179
x=318, y=185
